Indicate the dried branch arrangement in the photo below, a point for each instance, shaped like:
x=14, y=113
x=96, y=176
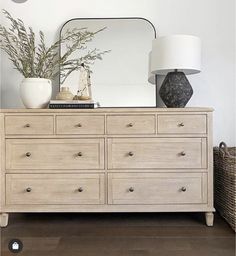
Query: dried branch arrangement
x=40, y=61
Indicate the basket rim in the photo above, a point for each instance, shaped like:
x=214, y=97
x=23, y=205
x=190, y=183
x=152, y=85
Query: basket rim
x=226, y=151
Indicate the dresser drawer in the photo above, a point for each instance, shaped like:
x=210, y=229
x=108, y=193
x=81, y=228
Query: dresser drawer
x=80, y=124
x=131, y=124
x=179, y=124
x=161, y=188
x=54, y=154
x=59, y=189
x=28, y=125
x=145, y=153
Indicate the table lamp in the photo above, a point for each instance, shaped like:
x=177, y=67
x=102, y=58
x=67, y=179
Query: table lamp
x=176, y=56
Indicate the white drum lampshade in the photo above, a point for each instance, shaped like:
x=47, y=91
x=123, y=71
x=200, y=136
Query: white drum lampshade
x=181, y=52
x=175, y=56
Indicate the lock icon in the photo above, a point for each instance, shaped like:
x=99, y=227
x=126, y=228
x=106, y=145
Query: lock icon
x=15, y=246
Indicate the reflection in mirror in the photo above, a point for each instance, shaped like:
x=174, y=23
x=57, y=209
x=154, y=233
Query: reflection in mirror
x=120, y=78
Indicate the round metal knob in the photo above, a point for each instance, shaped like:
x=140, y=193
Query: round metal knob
x=27, y=125
x=183, y=189
x=28, y=190
x=80, y=154
x=79, y=125
x=28, y=154
x=182, y=153
x=131, y=189
x=80, y=189
x=131, y=153
x=130, y=125
x=181, y=125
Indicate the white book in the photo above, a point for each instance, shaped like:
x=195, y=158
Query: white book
x=73, y=102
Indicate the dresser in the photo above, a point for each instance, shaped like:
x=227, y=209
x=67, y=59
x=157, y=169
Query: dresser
x=106, y=160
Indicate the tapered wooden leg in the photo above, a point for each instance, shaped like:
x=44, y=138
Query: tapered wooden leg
x=4, y=219
x=209, y=218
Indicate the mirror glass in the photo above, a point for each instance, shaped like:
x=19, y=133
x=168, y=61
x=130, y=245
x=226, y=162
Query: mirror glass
x=120, y=79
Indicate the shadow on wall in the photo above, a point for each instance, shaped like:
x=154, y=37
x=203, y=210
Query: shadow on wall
x=19, y=1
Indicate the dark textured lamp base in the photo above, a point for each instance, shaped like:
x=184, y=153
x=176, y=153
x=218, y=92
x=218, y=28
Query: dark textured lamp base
x=176, y=90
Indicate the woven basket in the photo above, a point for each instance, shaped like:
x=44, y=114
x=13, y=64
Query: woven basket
x=225, y=182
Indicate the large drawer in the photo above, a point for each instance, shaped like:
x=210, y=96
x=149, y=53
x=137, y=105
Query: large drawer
x=54, y=154
x=79, y=124
x=29, y=125
x=161, y=188
x=131, y=124
x=145, y=153
x=60, y=189
x=180, y=124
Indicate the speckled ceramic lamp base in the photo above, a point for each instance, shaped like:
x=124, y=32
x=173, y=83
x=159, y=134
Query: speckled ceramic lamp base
x=176, y=90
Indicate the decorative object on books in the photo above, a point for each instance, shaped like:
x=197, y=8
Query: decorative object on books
x=176, y=56
x=225, y=182
x=84, y=90
x=65, y=94
x=36, y=92
x=34, y=60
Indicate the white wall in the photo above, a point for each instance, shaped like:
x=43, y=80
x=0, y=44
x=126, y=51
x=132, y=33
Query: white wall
x=212, y=20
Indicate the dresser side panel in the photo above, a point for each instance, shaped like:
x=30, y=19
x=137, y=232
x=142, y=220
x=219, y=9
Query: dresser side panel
x=2, y=161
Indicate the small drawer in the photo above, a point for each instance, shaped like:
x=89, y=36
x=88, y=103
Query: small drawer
x=151, y=153
x=131, y=124
x=28, y=125
x=80, y=124
x=161, y=188
x=59, y=154
x=179, y=124
x=35, y=189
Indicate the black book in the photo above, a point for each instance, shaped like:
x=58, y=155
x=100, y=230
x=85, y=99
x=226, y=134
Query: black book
x=74, y=104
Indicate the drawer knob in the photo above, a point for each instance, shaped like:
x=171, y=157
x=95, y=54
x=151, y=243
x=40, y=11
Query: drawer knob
x=28, y=190
x=80, y=189
x=130, y=125
x=182, y=153
x=28, y=154
x=79, y=125
x=183, y=189
x=131, y=153
x=27, y=126
x=181, y=124
x=80, y=154
x=131, y=189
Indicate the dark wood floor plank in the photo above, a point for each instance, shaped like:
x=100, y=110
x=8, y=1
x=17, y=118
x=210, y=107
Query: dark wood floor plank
x=160, y=234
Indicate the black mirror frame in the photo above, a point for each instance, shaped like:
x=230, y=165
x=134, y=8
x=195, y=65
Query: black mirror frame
x=113, y=18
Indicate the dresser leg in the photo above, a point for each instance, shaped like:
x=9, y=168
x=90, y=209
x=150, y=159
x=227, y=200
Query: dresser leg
x=209, y=218
x=4, y=219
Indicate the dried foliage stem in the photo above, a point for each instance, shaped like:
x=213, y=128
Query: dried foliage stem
x=41, y=61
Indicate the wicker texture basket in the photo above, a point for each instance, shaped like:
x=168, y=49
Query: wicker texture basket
x=225, y=182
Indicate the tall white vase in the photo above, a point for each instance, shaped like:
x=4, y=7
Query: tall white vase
x=36, y=92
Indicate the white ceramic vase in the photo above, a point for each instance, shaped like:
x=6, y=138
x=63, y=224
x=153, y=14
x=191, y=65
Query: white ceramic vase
x=36, y=92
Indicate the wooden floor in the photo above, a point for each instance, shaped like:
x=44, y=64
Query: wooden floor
x=161, y=234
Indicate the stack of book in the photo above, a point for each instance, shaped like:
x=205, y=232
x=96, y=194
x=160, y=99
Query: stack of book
x=76, y=104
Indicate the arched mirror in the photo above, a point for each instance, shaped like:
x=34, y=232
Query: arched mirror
x=120, y=79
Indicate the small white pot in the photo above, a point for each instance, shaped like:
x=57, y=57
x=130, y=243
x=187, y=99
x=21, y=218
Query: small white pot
x=36, y=92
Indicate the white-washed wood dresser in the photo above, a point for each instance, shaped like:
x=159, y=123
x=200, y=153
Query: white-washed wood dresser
x=106, y=160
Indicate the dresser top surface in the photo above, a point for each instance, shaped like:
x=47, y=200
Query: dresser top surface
x=110, y=110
